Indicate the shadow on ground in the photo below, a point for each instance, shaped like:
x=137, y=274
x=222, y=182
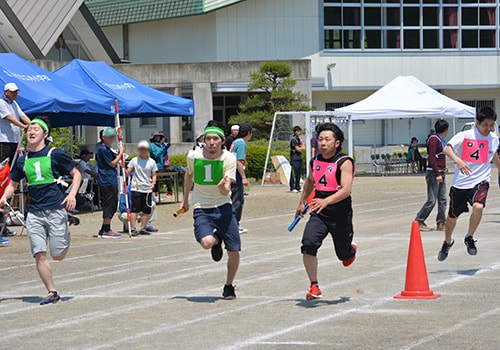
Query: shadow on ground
x=200, y=299
x=310, y=304
x=31, y=299
x=469, y=272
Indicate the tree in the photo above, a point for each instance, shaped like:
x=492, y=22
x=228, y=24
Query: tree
x=272, y=90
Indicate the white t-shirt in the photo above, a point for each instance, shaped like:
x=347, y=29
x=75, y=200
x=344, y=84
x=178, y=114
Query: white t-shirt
x=82, y=166
x=9, y=133
x=207, y=173
x=143, y=171
x=477, y=151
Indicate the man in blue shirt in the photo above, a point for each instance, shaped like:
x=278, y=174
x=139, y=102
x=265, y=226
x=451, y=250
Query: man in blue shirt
x=239, y=149
x=107, y=161
x=47, y=218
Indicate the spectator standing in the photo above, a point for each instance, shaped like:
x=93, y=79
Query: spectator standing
x=159, y=150
x=141, y=186
x=107, y=161
x=235, y=129
x=239, y=149
x=12, y=119
x=435, y=178
x=297, y=147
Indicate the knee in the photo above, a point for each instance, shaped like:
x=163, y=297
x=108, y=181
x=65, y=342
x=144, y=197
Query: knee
x=207, y=242
x=477, y=206
x=40, y=256
x=309, y=249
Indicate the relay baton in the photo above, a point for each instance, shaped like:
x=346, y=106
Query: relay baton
x=297, y=218
x=180, y=211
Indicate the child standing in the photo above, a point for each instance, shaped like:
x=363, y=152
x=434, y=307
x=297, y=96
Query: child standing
x=141, y=187
x=332, y=174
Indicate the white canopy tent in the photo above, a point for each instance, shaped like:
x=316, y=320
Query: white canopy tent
x=405, y=97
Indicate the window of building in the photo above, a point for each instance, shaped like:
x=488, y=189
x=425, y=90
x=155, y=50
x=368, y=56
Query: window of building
x=410, y=24
x=331, y=106
x=225, y=106
x=148, y=122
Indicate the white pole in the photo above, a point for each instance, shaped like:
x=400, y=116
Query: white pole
x=268, y=149
x=350, y=136
x=308, y=141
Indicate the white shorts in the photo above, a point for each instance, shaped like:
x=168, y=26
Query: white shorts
x=51, y=225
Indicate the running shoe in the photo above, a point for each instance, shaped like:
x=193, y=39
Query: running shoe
x=424, y=227
x=445, y=248
x=243, y=230
x=353, y=257
x=51, y=298
x=314, y=292
x=470, y=243
x=151, y=228
x=8, y=232
x=169, y=195
x=217, y=251
x=294, y=191
x=144, y=232
x=229, y=293
x=73, y=220
x=109, y=234
x=133, y=232
x=4, y=241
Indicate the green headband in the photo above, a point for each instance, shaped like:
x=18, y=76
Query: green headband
x=214, y=130
x=40, y=122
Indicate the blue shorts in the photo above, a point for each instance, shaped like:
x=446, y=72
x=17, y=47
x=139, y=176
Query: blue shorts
x=221, y=218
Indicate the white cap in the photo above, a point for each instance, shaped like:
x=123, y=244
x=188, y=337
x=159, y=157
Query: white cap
x=143, y=144
x=10, y=87
x=235, y=127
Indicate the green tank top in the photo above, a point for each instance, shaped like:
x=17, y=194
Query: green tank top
x=39, y=170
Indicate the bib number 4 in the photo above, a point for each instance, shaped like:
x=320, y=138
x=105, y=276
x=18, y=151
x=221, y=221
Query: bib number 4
x=475, y=151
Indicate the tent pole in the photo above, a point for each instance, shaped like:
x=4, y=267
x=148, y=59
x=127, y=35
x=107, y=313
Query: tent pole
x=454, y=126
x=269, y=149
x=349, y=135
x=120, y=144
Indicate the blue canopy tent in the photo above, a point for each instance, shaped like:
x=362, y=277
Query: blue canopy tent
x=45, y=93
x=134, y=99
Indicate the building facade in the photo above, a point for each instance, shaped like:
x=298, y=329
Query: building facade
x=354, y=47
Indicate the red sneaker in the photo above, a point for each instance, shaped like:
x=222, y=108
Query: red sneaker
x=314, y=293
x=351, y=260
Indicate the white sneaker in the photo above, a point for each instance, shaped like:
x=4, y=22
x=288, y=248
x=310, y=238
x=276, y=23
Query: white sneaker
x=243, y=230
x=295, y=191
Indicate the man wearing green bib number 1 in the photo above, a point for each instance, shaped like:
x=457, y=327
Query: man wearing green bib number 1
x=47, y=217
x=472, y=151
x=211, y=170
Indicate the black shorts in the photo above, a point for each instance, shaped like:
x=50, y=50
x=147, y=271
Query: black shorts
x=318, y=227
x=460, y=198
x=141, y=202
x=109, y=200
x=8, y=150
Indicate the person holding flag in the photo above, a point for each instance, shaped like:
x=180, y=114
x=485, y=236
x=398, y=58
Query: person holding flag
x=47, y=218
x=211, y=170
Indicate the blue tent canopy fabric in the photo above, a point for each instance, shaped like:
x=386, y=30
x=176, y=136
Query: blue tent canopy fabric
x=45, y=93
x=134, y=98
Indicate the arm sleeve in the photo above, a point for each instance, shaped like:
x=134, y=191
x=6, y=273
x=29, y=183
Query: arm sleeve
x=131, y=164
x=433, y=146
x=230, y=166
x=456, y=141
x=63, y=162
x=4, y=111
x=17, y=171
x=240, y=150
x=106, y=155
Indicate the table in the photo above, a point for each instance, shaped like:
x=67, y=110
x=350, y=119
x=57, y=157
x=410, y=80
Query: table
x=174, y=175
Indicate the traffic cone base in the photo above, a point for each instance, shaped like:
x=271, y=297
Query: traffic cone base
x=417, y=283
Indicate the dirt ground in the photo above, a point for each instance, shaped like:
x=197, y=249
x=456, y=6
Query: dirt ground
x=164, y=291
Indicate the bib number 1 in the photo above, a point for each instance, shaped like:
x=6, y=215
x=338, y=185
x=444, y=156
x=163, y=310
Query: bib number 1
x=208, y=173
x=38, y=171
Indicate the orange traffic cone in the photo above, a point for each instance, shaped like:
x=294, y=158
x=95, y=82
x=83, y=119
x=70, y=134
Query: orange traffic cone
x=417, y=284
